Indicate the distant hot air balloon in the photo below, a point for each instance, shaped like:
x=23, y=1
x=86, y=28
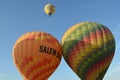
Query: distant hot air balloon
x=88, y=48
x=37, y=55
x=49, y=9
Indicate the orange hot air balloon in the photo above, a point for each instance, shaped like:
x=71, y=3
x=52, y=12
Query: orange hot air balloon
x=37, y=55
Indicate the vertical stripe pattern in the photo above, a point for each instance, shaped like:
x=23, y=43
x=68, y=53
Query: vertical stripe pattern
x=88, y=48
x=35, y=62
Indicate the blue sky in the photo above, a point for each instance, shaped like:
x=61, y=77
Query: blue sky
x=20, y=16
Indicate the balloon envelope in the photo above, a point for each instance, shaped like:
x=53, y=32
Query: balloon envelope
x=49, y=9
x=88, y=48
x=37, y=55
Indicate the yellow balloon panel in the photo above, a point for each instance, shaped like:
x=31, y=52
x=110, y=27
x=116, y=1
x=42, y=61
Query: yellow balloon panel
x=88, y=48
x=37, y=55
x=49, y=9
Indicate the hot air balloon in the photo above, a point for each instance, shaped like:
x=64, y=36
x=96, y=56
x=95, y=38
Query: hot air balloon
x=37, y=55
x=88, y=48
x=49, y=9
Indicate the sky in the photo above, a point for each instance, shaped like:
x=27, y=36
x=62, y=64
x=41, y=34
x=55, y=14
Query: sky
x=20, y=16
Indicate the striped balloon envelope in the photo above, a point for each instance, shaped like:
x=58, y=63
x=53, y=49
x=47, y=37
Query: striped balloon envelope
x=37, y=55
x=88, y=48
